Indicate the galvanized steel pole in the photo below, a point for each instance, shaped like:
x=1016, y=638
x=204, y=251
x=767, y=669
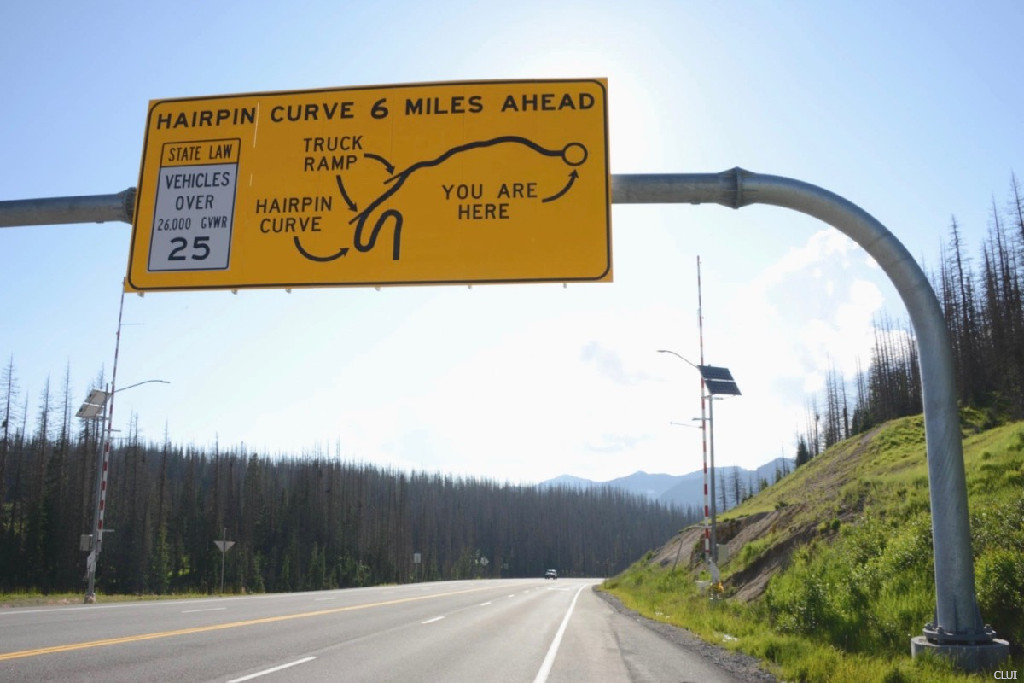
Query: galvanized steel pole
x=958, y=630
x=66, y=210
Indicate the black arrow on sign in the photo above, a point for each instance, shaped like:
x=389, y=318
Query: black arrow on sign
x=344, y=195
x=387, y=165
x=572, y=179
x=313, y=257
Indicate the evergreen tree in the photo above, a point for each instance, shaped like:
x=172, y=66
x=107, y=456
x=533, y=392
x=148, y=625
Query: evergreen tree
x=803, y=453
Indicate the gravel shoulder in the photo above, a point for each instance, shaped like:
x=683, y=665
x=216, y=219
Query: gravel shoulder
x=742, y=666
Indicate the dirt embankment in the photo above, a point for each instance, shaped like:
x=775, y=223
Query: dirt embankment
x=783, y=530
x=686, y=549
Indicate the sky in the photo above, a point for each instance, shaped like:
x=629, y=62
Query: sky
x=911, y=110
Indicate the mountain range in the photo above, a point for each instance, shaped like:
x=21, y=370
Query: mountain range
x=687, y=489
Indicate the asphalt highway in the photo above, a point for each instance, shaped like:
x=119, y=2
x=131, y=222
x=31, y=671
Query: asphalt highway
x=500, y=630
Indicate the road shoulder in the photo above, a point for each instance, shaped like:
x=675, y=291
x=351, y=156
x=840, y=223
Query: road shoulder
x=722, y=663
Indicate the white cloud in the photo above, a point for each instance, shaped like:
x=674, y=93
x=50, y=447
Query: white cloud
x=816, y=308
x=809, y=312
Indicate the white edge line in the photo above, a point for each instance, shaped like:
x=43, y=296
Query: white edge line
x=549, y=660
x=208, y=609
x=431, y=621
x=273, y=670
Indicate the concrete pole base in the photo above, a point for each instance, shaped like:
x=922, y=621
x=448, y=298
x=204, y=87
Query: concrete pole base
x=969, y=657
x=90, y=598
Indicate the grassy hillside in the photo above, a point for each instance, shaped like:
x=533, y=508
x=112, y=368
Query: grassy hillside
x=828, y=573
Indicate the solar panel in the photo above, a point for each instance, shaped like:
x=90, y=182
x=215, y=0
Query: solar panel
x=93, y=406
x=722, y=387
x=715, y=372
x=718, y=380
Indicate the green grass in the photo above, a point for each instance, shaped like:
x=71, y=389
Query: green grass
x=32, y=599
x=751, y=551
x=850, y=599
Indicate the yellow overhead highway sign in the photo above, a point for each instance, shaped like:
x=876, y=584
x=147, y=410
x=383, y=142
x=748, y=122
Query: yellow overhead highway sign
x=469, y=182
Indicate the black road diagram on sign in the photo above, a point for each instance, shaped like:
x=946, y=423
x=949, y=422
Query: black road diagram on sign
x=372, y=220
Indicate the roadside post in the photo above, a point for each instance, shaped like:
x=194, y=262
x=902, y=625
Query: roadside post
x=223, y=546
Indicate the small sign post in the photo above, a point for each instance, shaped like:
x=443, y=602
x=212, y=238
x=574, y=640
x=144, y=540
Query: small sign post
x=223, y=546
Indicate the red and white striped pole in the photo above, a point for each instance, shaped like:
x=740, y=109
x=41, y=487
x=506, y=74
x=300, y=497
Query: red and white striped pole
x=703, y=422
x=704, y=445
x=110, y=423
x=104, y=465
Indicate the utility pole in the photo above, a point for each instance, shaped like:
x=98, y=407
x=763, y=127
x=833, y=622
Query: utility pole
x=707, y=421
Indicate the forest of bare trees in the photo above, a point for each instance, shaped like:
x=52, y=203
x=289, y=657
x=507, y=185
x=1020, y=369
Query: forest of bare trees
x=299, y=523
x=984, y=311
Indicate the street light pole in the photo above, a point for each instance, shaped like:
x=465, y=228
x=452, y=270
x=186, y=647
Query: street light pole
x=99, y=408
x=103, y=459
x=713, y=380
x=714, y=505
x=97, y=403
x=101, y=491
x=708, y=517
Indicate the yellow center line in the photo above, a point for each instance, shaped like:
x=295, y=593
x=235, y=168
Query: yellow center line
x=70, y=647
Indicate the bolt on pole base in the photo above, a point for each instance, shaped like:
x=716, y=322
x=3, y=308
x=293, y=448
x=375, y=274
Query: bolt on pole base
x=966, y=656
